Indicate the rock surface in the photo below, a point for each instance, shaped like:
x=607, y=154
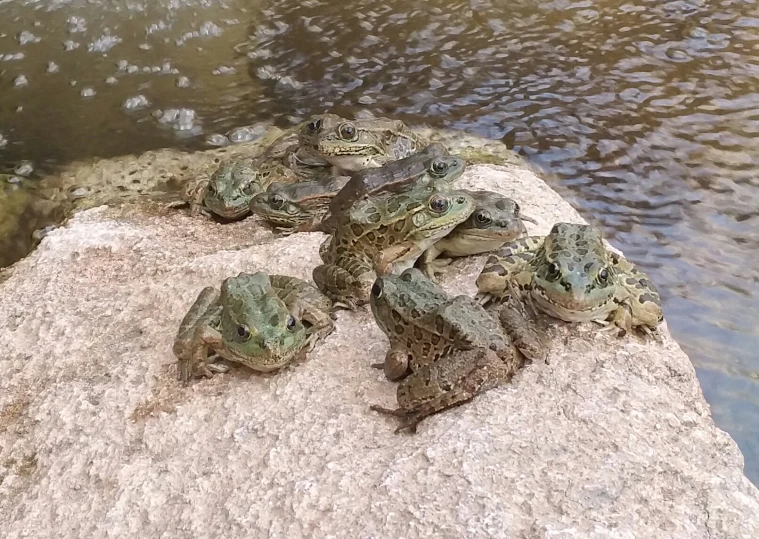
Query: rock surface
x=612, y=439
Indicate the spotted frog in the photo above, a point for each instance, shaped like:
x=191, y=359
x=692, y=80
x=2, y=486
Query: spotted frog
x=352, y=145
x=447, y=349
x=262, y=321
x=298, y=207
x=384, y=234
x=569, y=274
x=430, y=166
x=229, y=190
x=495, y=221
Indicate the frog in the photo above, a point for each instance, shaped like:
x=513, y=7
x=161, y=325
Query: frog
x=496, y=220
x=352, y=145
x=383, y=234
x=432, y=165
x=571, y=275
x=444, y=349
x=229, y=190
x=298, y=207
x=295, y=148
x=259, y=320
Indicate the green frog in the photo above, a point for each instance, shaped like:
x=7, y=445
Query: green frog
x=571, y=275
x=229, y=190
x=298, y=207
x=429, y=166
x=495, y=221
x=384, y=234
x=447, y=349
x=352, y=145
x=262, y=321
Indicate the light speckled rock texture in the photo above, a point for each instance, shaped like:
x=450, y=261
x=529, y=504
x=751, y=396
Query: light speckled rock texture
x=612, y=439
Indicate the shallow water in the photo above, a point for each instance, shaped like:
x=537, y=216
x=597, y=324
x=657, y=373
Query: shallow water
x=644, y=110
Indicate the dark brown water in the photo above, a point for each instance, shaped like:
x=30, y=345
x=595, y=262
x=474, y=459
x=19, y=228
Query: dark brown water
x=646, y=111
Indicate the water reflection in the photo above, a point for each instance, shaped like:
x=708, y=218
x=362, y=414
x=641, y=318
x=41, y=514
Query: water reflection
x=644, y=110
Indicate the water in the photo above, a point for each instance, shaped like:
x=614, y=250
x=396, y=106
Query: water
x=645, y=111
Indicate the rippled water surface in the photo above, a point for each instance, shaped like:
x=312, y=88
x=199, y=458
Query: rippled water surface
x=647, y=112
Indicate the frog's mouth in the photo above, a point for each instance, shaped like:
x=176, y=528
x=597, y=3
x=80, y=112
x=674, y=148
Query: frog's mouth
x=573, y=307
x=231, y=212
x=265, y=360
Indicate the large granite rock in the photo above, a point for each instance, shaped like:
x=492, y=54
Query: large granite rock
x=613, y=438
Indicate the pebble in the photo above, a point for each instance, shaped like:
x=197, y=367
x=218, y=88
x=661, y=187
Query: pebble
x=111, y=80
x=20, y=81
x=217, y=139
x=136, y=102
x=76, y=24
x=24, y=169
x=224, y=70
x=104, y=43
x=52, y=67
x=241, y=134
x=87, y=92
x=27, y=37
x=79, y=192
x=70, y=45
x=183, y=82
x=11, y=56
x=178, y=119
x=209, y=29
x=3, y=141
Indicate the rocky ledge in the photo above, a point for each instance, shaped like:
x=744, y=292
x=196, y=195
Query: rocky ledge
x=612, y=438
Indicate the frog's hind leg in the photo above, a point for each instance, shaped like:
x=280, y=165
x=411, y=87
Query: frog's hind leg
x=341, y=286
x=453, y=381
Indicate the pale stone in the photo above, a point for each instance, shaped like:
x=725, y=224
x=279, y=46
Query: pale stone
x=611, y=439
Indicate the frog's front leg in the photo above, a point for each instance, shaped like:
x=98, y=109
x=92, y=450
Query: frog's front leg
x=396, y=364
x=194, y=193
x=384, y=259
x=203, y=313
x=431, y=264
x=205, y=339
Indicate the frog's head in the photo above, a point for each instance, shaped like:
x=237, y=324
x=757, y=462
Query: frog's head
x=257, y=328
x=231, y=188
x=574, y=277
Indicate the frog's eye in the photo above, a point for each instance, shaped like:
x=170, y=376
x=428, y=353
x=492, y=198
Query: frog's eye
x=313, y=127
x=376, y=290
x=291, y=323
x=249, y=188
x=439, y=167
x=603, y=275
x=439, y=204
x=211, y=188
x=243, y=332
x=517, y=209
x=406, y=276
x=347, y=131
x=554, y=270
x=276, y=201
x=482, y=218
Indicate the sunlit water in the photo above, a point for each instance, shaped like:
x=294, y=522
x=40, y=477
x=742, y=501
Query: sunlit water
x=647, y=112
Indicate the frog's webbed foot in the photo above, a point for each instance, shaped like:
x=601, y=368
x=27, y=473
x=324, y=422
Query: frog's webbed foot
x=409, y=420
x=434, y=268
x=175, y=204
x=283, y=231
x=204, y=370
